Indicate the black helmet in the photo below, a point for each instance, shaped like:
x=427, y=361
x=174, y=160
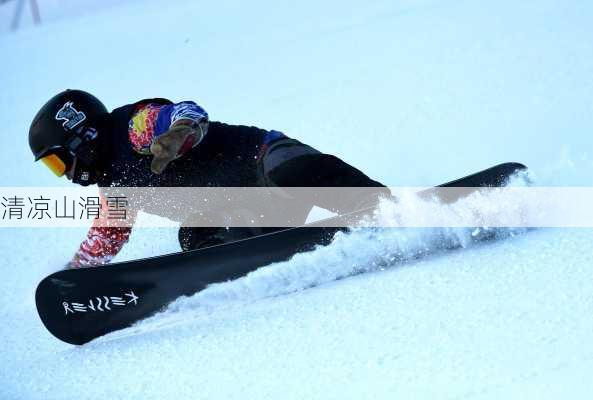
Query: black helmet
x=65, y=131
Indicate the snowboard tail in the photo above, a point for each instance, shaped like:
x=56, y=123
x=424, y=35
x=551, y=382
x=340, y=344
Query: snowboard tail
x=79, y=305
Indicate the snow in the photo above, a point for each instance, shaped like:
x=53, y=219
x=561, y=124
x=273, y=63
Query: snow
x=414, y=92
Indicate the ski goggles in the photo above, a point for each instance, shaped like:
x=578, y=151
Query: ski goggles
x=55, y=164
x=61, y=158
x=59, y=161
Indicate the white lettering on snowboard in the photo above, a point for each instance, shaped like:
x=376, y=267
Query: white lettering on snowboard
x=100, y=304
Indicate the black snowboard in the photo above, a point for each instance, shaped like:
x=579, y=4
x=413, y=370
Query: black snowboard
x=79, y=305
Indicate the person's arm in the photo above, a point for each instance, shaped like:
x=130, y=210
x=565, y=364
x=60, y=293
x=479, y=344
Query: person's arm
x=102, y=242
x=174, y=130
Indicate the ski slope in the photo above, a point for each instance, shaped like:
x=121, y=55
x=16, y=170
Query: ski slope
x=413, y=92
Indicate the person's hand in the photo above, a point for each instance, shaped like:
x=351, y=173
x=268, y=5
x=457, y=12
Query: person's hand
x=76, y=262
x=178, y=140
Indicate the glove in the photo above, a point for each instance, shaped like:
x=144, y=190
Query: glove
x=77, y=262
x=174, y=143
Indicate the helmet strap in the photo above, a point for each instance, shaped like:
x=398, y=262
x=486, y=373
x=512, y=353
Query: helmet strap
x=84, y=174
x=83, y=146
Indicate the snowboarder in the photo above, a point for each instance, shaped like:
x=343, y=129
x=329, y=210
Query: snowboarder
x=158, y=143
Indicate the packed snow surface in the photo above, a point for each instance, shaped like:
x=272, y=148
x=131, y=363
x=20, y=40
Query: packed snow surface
x=413, y=92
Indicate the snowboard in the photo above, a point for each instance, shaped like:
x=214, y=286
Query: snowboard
x=79, y=305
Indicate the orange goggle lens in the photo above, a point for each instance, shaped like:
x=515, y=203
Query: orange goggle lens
x=55, y=164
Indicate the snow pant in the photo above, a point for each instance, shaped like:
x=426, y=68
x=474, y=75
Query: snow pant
x=289, y=163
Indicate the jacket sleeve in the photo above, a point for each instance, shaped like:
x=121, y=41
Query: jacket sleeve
x=102, y=242
x=151, y=121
